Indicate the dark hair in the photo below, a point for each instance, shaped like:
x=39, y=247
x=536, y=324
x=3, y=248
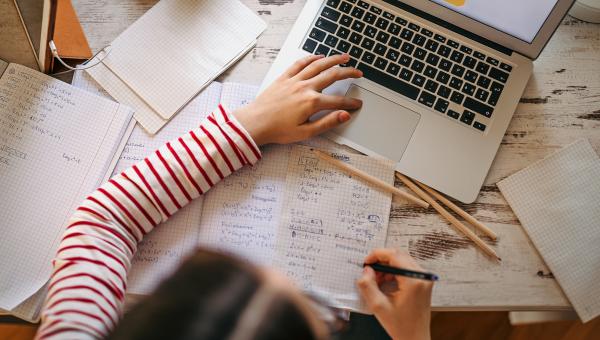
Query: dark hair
x=204, y=299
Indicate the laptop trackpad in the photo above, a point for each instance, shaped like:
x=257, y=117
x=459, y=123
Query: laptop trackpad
x=380, y=125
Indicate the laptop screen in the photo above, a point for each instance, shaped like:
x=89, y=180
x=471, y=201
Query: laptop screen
x=520, y=18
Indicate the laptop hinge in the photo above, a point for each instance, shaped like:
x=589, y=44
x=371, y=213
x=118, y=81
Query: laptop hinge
x=450, y=26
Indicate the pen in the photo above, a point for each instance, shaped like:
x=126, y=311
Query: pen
x=378, y=267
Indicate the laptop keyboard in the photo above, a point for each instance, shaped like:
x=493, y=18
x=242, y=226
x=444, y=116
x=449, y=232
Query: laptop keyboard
x=453, y=79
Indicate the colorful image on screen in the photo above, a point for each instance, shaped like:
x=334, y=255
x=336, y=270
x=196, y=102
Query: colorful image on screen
x=520, y=18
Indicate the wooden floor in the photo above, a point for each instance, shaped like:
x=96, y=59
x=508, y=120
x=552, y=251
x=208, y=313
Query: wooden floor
x=445, y=325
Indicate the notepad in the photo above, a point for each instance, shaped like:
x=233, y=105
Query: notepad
x=173, y=51
x=57, y=144
x=557, y=201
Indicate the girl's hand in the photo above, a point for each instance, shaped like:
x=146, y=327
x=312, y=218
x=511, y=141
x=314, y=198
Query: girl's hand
x=406, y=312
x=281, y=113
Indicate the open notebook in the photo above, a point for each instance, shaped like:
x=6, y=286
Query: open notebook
x=164, y=59
x=50, y=158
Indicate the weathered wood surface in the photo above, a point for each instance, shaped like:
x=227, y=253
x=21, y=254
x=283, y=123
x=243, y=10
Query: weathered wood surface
x=560, y=105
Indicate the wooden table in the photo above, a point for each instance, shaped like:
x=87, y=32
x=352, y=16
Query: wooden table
x=560, y=105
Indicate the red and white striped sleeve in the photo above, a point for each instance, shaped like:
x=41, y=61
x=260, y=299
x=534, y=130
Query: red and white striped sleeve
x=88, y=284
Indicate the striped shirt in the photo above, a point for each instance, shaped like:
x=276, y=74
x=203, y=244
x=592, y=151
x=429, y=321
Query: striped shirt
x=89, y=279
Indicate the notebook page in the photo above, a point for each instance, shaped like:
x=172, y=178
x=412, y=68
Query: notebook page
x=49, y=160
x=557, y=200
x=189, y=43
x=330, y=222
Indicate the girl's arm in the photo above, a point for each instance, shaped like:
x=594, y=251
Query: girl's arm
x=88, y=284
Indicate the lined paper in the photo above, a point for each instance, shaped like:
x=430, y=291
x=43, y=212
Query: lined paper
x=557, y=201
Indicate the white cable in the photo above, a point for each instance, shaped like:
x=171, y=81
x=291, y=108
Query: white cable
x=54, y=51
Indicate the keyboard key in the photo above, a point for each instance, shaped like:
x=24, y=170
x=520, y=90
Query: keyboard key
x=368, y=43
x=395, y=42
x=388, y=15
x=400, y=21
x=444, y=91
x=439, y=38
x=381, y=63
x=393, y=69
x=432, y=59
x=368, y=57
x=327, y=25
x=492, y=61
x=419, y=40
x=432, y=45
x=414, y=27
x=351, y=63
x=482, y=68
x=356, y=51
x=452, y=43
x=495, y=91
x=358, y=26
x=322, y=50
x=456, y=83
x=479, y=55
x=457, y=97
x=406, y=74
x=458, y=70
x=375, y=10
x=470, y=76
x=420, y=53
x=382, y=24
x=501, y=76
x=483, y=82
x=309, y=45
x=426, y=32
x=333, y=3
x=478, y=107
x=418, y=80
x=456, y=56
x=346, y=20
x=355, y=38
x=417, y=66
x=406, y=34
x=444, y=51
x=335, y=52
x=431, y=86
x=506, y=67
x=370, y=18
x=380, y=49
x=405, y=60
x=392, y=54
x=394, y=29
x=469, y=62
x=370, y=31
x=441, y=105
x=445, y=65
x=467, y=117
x=466, y=49
x=453, y=114
x=407, y=47
x=357, y=12
x=479, y=126
x=331, y=40
x=388, y=81
x=345, y=7
x=363, y=4
x=343, y=33
x=468, y=89
x=482, y=95
x=383, y=37
x=317, y=34
x=343, y=46
x=443, y=77
x=426, y=99
x=430, y=72
x=330, y=13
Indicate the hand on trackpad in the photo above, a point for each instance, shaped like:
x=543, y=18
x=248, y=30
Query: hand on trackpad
x=381, y=125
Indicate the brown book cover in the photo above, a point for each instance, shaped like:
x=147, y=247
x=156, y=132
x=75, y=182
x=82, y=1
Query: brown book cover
x=68, y=36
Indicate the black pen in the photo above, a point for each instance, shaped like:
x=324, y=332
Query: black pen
x=378, y=267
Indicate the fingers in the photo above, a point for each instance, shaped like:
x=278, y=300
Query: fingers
x=325, y=123
x=300, y=64
x=369, y=289
x=326, y=102
x=330, y=76
x=318, y=66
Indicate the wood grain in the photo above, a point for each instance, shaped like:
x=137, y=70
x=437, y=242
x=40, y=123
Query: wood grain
x=560, y=105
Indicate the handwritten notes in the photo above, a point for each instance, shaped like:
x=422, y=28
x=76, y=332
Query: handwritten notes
x=329, y=223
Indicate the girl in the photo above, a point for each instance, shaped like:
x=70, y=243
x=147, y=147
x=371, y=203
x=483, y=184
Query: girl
x=212, y=296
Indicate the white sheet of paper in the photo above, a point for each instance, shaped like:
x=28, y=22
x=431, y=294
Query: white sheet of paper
x=330, y=222
x=557, y=201
x=49, y=160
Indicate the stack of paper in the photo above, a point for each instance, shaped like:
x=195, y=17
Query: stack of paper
x=172, y=52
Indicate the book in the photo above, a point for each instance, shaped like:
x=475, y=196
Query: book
x=57, y=144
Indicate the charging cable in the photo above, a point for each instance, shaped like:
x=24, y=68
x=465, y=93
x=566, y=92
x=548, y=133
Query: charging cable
x=84, y=65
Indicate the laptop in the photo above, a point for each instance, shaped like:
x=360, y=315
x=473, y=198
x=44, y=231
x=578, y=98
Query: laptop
x=442, y=78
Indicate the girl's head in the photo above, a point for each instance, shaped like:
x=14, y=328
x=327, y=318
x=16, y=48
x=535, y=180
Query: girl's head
x=215, y=296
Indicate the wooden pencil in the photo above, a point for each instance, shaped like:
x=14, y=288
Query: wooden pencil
x=370, y=179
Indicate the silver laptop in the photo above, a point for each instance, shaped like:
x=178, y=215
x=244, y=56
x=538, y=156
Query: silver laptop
x=442, y=78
